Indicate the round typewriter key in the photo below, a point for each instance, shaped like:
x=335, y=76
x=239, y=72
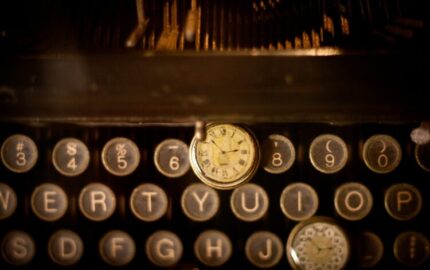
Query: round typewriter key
x=117, y=248
x=49, y=202
x=264, y=249
x=403, y=201
x=19, y=153
x=8, y=201
x=411, y=248
x=70, y=157
x=278, y=154
x=148, y=202
x=97, y=202
x=18, y=248
x=120, y=156
x=299, y=201
x=249, y=202
x=200, y=202
x=370, y=249
x=422, y=155
x=171, y=158
x=65, y=247
x=353, y=201
x=164, y=248
x=382, y=153
x=213, y=248
x=328, y=153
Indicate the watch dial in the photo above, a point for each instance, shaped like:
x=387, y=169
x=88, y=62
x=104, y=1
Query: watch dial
x=227, y=157
x=318, y=245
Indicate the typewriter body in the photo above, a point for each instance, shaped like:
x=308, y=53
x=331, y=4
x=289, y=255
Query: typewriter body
x=214, y=134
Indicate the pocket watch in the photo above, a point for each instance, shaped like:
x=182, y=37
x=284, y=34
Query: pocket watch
x=318, y=243
x=228, y=157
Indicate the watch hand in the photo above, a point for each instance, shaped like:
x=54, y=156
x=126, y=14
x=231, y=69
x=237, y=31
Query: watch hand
x=231, y=151
x=222, y=152
x=314, y=244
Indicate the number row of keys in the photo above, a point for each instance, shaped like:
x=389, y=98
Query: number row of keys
x=328, y=153
x=250, y=202
x=212, y=248
x=71, y=157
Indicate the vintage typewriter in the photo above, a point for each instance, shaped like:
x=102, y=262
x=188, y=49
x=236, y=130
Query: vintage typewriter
x=194, y=134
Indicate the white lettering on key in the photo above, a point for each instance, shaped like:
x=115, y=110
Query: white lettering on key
x=245, y=208
x=98, y=197
x=68, y=248
x=348, y=201
x=403, y=197
x=19, y=247
x=149, y=195
x=213, y=248
x=49, y=199
x=268, y=254
x=299, y=201
x=169, y=251
x=202, y=200
x=117, y=244
x=5, y=199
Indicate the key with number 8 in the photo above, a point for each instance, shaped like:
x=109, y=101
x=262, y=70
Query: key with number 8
x=278, y=154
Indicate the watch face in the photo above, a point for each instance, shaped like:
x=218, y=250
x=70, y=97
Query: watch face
x=227, y=157
x=318, y=243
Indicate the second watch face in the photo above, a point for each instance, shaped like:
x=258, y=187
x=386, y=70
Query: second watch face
x=318, y=243
x=227, y=157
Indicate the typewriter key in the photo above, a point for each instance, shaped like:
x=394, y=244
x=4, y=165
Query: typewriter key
x=164, y=248
x=65, y=247
x=19, y=153
x=18, y=248
x=70, y=157
x=299, y=201
x=213, y=248
x=49, y=202
x=370, y=249
x=200, y=202
x=117, y=248
x=8, y=201
x=353, y=201
x=278, y=154
x=148, y=202
x=249, y=202
x=422, y=155
x=97, y=202
x=328, y=153
x=411, y=248
x=382, y=153
x=264, y=249
x=120, y=156
x=403, y=201
x=171, y=158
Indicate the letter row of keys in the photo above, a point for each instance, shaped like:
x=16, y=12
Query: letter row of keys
x=212, y=248
x=328, y=153
x=298, y=201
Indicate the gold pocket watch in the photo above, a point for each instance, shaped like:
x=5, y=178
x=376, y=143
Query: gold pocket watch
x=228, y=157
x=318, y=243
